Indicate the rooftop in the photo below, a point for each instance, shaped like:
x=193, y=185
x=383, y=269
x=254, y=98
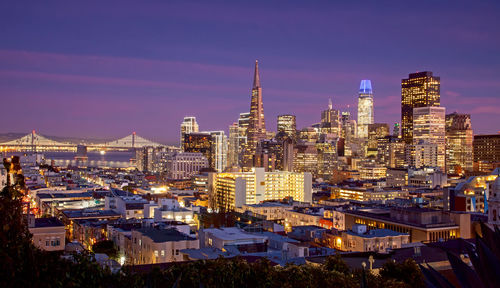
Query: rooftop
x=164, y=235
x=377, y=233
x=47, y=222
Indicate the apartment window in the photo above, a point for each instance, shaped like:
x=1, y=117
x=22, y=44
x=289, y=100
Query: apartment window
x=162, y=252
x=176, y=251
x=156, y=253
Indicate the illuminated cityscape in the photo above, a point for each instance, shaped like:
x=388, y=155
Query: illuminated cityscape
x=136, y=152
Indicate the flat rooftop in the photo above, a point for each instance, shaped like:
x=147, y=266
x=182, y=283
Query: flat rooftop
x=164, y=235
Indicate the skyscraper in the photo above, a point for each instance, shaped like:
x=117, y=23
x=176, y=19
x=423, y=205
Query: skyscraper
x=243, y=123
x=429, y=128
x=233, y=145
x=419, y=90
x=256, y=126
x=287, y=125
x=365, y=108
x=459, y=138
x=188, y=125
x=330, y=120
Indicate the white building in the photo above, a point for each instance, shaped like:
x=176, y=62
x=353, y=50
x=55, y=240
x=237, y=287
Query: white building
x=429, y=127
x=184, y=165
x=188, y=125
x=231, y=190
x=127, y=206
x=365, y=108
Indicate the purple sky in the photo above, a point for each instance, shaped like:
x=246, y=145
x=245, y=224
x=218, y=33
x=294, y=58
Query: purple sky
x=107, y=68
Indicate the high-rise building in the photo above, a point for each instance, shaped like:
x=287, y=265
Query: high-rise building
x=231, y=190
x=144, y=158
x=243, y=122
x=349, y=127
x=331, y=121
x=287, y=126
x=391, y=151
x=429, y=128
x=212, y=144
x=233, y=145
x=375, y=131
x=199, y=142
x=365, y=108
x=184, y=165
x=256, y=126
x=188, y=125
x=459, y=138
x=219, y=150
x=487, y=150
x=419, y=90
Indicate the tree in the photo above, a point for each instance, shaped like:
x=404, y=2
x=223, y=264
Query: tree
x=106, y=247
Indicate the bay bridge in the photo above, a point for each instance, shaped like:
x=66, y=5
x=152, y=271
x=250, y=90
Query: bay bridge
x=34, y=142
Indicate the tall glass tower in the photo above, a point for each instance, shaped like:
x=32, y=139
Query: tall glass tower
x=421, y=89
x=365, y=108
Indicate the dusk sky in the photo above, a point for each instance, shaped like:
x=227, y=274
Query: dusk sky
x=107, y=68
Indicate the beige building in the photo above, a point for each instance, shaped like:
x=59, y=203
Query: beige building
x=48, y=233
x=153, y=245
x=367, y=194
x=267, y=210
x=421, y=224
x=234, y=189
x=429, y=127
x=359, y=239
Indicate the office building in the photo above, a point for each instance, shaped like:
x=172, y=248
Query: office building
x=459, y=139
x=287, y=126
x=256, y=127
x=421, y=89
x=233, y=145
x=200, y=142
x=376, y=131
x=231, y=190
x=365, y=108
x=188, y=125
x=391, y=151
x=487, y=150
x=331, y=121
x=429, y=128
x=219, y=150
x=184, y=165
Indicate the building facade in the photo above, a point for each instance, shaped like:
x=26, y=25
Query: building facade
x=188, y=125
x=459, y=139
x=257, y=126
x=429, y=128
x=231, y=190
x=420, y=89
x=365, y=108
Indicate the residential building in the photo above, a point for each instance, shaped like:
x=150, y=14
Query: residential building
x=232, y=239
x=155, y=245
x=487, y=150
x=48, y=233
x=359, y=239
x=287, y=125
x=234, y=189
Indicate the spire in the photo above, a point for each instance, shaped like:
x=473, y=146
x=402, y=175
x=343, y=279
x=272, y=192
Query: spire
x=256, y=77
x=330, y=105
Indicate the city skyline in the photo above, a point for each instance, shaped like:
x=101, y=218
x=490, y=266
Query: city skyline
x=91, y=85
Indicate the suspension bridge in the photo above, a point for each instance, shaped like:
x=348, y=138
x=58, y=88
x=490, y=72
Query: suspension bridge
x=36, y=142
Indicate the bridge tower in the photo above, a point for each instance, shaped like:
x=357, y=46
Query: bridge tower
x=33, y=146
x=133, y=139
